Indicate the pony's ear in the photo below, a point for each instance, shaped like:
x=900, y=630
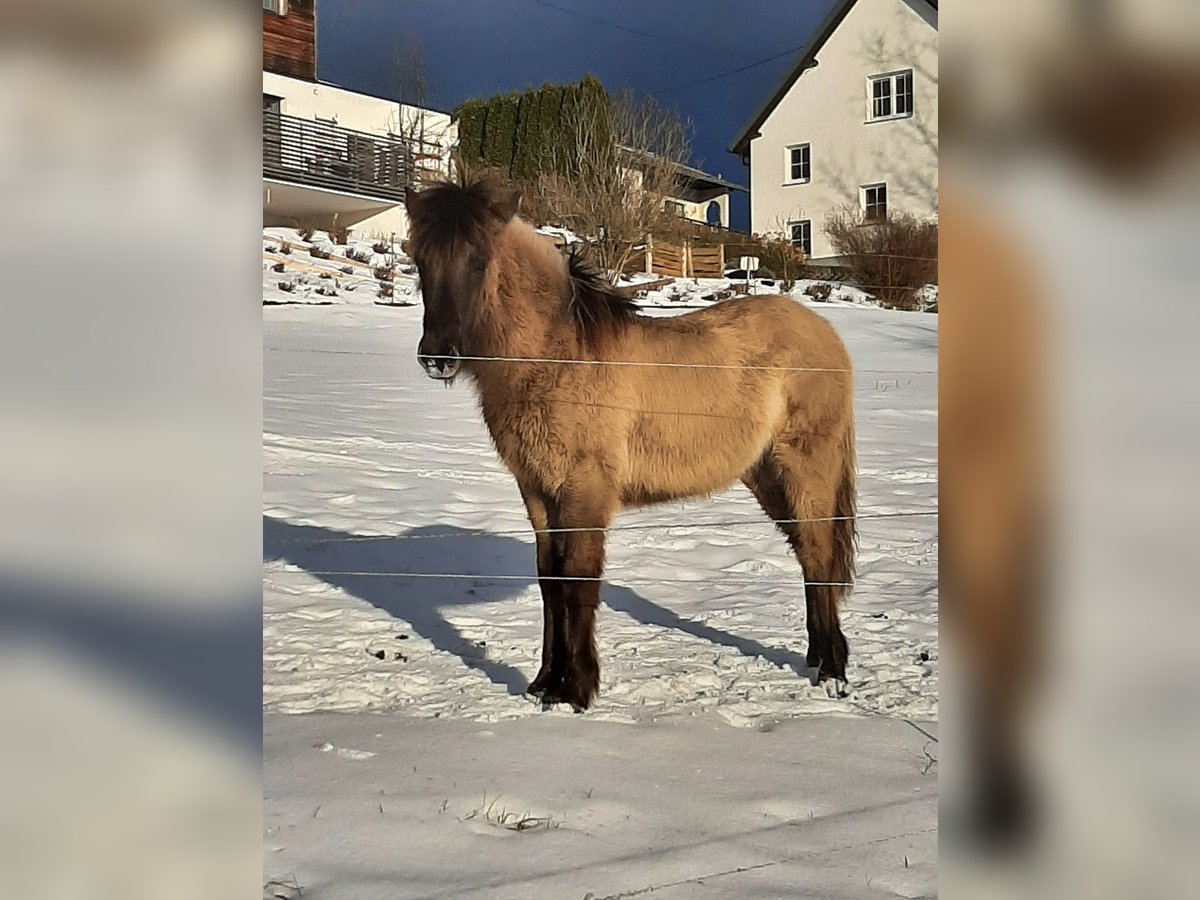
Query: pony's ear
x=412, y=202
x=505, y=201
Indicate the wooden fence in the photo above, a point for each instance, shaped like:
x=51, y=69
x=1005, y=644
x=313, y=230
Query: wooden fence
x=680, y=260
x=707, y=262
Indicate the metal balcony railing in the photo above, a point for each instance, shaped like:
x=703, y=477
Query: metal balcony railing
x=320, y=154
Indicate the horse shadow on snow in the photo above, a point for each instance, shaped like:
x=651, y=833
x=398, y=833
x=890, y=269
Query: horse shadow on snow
x=357, y=565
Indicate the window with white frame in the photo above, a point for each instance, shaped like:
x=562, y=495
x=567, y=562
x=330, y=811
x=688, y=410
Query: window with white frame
x=279, y=7
x=891, y=95
x=798, y=164
x=800, y=234
x=674, y=207
x=874, y=202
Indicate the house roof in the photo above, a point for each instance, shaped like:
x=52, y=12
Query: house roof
x=806, y=59
x=695, y=177
x=701, y=179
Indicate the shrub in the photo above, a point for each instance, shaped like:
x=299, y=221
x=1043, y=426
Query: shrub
x=318, y=252
x=361, y=256
x=385, y=273
x=287, y=287
x=305, y=234
x=777, y=258
x=278, y=267
x=381, y=247
x=285, y=247
x=819, y=292
x=892, y=259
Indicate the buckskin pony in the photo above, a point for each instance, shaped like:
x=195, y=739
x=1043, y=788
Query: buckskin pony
x=595, y=409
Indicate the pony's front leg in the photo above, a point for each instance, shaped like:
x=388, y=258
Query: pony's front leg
x=552, y=625
x=581, y=564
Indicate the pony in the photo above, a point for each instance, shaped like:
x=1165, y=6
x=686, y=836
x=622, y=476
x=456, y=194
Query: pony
x=595, y=409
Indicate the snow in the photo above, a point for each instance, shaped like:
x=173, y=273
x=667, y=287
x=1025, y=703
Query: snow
x=564, y=235
x=401, y=616
x=569, y=806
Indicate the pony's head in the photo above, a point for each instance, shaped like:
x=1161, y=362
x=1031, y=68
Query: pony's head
x=453, y=232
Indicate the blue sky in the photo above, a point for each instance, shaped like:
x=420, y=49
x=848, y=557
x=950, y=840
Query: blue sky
x=477, y=47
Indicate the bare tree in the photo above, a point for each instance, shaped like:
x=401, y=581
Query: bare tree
x=612, y=181
x=425, y=136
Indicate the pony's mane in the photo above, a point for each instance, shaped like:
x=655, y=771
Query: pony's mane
x=600, y=313
x=446, y=216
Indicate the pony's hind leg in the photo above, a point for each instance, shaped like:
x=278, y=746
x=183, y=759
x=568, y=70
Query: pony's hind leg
x=819, y=525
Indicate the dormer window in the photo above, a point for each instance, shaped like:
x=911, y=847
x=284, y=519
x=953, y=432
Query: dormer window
x=891, y=96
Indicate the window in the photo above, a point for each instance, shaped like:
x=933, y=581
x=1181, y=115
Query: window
x=800, y=234
x=799, y=167
x=674, y=207
x=278, y=7
x=874, y=202
x=892, y=95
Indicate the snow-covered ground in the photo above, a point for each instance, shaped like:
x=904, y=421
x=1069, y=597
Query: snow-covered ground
x=363, y=807
x=398, y=582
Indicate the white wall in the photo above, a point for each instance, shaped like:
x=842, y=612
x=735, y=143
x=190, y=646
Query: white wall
x=372, y=115
x=698, y=212
x=828, y=108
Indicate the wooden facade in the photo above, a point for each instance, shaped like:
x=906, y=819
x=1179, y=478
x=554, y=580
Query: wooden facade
x=290, y=40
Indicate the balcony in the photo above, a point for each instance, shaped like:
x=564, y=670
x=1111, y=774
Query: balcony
x=321, y=155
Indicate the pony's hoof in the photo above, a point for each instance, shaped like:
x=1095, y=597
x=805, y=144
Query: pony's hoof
x=827, y=662
x=578, y=701
x=544, y=682
x=821, y=671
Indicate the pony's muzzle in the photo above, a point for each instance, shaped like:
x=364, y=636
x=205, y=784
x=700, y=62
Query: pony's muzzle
x=440, y=367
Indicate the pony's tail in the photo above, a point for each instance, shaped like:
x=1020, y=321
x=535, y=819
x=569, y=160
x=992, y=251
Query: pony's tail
x=845, y=524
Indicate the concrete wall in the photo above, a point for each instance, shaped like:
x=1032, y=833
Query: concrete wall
x=828, y=108
x=373, y=115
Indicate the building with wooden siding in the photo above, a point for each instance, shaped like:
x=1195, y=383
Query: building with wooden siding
x=290, y=38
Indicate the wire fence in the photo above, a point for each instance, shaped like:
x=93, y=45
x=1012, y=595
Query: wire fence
x=614, y=362
x=611, y=574
x=652, y=526
x=531, y=577
x=616, y=578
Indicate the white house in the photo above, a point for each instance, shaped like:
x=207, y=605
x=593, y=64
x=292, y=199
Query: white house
x=853, y=124
x=339, y=160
